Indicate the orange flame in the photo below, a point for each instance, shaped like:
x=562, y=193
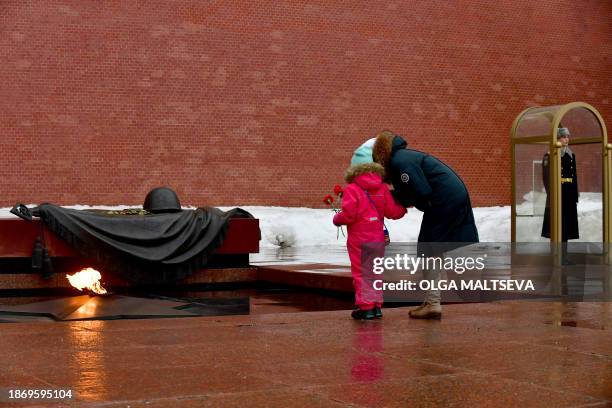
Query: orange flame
x=88, y=278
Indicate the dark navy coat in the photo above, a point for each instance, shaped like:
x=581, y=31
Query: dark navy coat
x=569, y=197
x=423, y=181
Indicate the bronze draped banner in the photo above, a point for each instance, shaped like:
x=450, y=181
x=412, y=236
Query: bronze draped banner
x=149, y=248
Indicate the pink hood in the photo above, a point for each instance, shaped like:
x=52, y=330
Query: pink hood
x=370, y=182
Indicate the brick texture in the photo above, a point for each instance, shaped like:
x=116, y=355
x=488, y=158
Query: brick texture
x=262, y=102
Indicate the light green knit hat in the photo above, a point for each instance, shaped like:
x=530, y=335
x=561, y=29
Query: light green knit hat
x=363, y=154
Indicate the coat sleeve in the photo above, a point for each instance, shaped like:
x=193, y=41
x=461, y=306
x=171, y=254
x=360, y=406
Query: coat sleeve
x=576, y=178
x=545, y=171
x=411, y=181
x=348, y=213
x=401, y=198
x=393, y=210
x=415, y=177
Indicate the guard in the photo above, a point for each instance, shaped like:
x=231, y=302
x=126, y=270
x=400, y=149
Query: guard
x=569, y=191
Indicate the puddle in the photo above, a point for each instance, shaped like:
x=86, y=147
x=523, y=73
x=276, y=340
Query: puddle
x=584, y=324
x=186, y=303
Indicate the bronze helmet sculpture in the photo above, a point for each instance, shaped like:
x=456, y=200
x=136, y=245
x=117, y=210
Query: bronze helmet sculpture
x=162, y=199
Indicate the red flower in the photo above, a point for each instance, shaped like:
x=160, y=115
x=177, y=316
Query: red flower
x=338, y=190
x=329, y=200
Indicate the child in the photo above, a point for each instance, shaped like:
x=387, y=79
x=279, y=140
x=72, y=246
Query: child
x=366, y=200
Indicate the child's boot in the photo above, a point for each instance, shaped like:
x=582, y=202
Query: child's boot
x=359, y=314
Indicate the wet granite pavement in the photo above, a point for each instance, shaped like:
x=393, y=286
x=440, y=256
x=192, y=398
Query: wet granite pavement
x=507, y=354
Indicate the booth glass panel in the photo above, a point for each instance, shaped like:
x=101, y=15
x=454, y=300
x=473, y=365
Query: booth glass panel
x=582, y=124
x=590, y=187
x=530, y=195
x=536, y=122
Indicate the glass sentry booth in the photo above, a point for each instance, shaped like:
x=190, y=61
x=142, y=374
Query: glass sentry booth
x=536, y=161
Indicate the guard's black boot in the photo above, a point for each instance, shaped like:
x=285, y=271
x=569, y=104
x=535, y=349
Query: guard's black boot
x=359, y=314
x=378, y=312
x=564, y=255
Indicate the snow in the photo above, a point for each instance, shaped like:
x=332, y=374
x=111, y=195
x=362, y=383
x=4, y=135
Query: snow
x=531, y=215
x=283, y=227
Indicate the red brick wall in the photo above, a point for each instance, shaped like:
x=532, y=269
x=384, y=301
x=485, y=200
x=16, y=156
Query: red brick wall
x=262, y=102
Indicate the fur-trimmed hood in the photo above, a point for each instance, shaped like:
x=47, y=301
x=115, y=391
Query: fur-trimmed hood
x=385, y=145
x=354, y=171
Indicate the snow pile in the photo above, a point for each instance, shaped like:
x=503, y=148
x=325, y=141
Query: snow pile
x=283, y=227
x=531, y=216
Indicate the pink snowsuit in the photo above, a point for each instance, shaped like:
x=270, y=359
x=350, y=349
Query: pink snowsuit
x=364, y=218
